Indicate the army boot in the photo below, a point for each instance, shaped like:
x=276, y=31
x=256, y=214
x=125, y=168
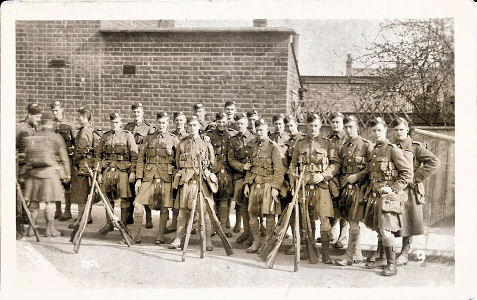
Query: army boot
x=148, y=217
x=390, y=269
x=173, y=226
x=372, y=261
x=325, y=247
x=181, y=223
x=160, y=239
x=238, y=219
x=58, y=212
x=344, y=226
x=136, y=231
x=208, y=236
x=34, y=215
x=67, y=214
x=348, y=257
x=254, y=228
x=403, y=257
x=51, y=231
x=108, y=226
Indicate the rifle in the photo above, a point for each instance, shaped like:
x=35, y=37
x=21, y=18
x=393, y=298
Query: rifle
x=189, y=227
x=77, y=233
x=310, y=243
x=114, y=219
x=296, y=238
x=277, y=239
x=27, y=211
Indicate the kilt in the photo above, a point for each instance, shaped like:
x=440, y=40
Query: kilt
x=225, y=189
x=412, y=218
x=44, y=189
x=352, y=205
x=116, y=183
x=319, y=200
x=238, y=196
x=80, y=187
x=155, y=193
x=375, y=218
x=260, y=201
x=188, y=191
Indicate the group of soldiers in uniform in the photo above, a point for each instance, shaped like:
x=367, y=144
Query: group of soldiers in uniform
x=237, y=164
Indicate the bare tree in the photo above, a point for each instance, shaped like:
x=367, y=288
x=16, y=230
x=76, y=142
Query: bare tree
x=414, y=69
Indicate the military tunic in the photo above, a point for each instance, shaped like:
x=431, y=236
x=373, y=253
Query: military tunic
x=354, y=155
x=220, y=143
x=337, y=138
x=239, y=153
x=117, y=153
x=425, y=163
x=180, y=134
x=66, y=129
x=282, y=142
x=190, y=155
x=46, y=154
x=387, y=166
x=319, y=156
x=156, y=166
x=267, y=172
x=23, y=129
x=84, y=153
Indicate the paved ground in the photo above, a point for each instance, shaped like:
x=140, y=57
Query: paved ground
x=151, y=266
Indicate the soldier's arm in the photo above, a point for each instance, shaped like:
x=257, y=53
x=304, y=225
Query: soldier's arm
x=133, y=151
x=141, y=158
x=333, y=163
x=98, y=151
x=278, y=170
x=294, y=162
x=363, y=174
x=84, y=144
x=404, y=167
x=175, y=149
x=178, y=153
x=429, y=164
x=211, y=153
x=232, y=158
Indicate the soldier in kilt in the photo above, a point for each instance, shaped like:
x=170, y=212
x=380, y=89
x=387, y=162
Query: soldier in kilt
x=425, y=163
x=353, y=155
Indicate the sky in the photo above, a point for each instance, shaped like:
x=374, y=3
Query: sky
x=323, y=44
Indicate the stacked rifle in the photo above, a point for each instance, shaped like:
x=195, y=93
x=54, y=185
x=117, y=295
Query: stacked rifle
x=77, y=233
x=21, y=204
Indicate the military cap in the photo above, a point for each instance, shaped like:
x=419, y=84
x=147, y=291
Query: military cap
x=198, y=106
x=335, y=115
x=46, y=116
x=375, y=121
x=55, y=104
x=312, y=117
x=136, y=106
x=289, y=118
x=350, y=118
x=114, y=116
x=193, y=118
x=220, y=116
x=161, y=115
x=252, y=113
x=34, y=109
x=260, y=122
x=399, y=121
x=240, y=116
x=177, y=114
x=278, y=117
x=229, y=103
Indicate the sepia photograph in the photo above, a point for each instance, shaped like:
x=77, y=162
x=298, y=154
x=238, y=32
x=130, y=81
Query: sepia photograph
x=240, y=153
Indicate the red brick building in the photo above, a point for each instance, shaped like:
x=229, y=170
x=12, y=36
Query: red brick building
x=107, y=66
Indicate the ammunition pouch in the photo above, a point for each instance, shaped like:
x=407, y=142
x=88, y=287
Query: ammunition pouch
x=393, y=203
x=334, y=187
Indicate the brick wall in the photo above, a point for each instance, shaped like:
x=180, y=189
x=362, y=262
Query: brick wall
x=174, y=69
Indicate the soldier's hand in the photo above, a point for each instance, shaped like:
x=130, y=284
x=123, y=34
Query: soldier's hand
x=206, y=138
x=317, y=178
x=386, y=190
x=66, y=179
x=352, y=178
x=132, y=177
x=247, y=166
x=274, y=193
x=137, y=186
x=246, y=191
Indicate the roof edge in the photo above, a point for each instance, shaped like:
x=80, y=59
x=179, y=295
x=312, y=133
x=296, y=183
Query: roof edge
x=200, y=29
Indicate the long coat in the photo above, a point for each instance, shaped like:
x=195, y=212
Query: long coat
x=425, y=163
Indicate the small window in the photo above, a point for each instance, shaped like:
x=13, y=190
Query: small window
x=129, y=69
x=57, y=63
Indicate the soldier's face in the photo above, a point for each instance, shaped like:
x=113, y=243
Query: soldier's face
x=58, y=112
x=35, y=119
x=262, y=132
x=180, y=122
x=351, y=129
x=242, y=125
x=379, y=132
x=279, y=126
x=230, y=111
x=402, y=131
x=221, y=124
x=82, y=119
x=115, y=124
x=337, y=124
x=200, y=113
x=194, y=128
x=162, y=124
x=138, y=114
x=292, y=126
x=251, y=122
x=314, y=128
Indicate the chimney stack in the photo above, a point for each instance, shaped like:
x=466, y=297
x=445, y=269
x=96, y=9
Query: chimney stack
x=349, y=65
x=259, y=22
